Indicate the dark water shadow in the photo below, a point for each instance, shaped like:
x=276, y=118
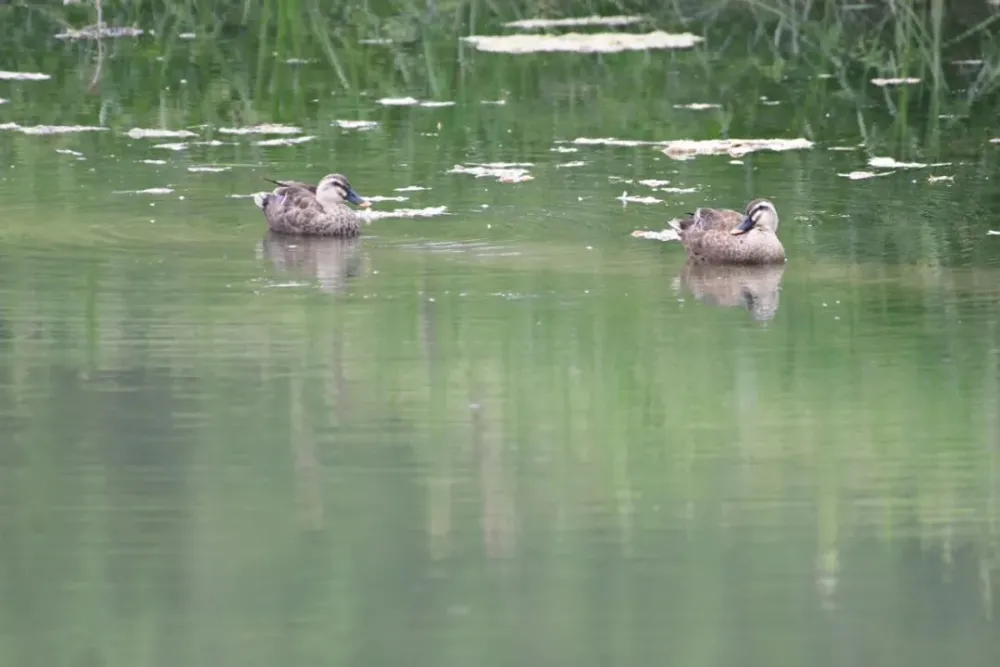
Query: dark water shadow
x=753, y=288
x=331, y=261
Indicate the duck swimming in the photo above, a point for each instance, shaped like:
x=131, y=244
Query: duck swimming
x=723, y=236
x=306, y=210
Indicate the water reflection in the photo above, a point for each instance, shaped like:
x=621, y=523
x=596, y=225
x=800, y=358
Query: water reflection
x=754, y=288
x=332, y=261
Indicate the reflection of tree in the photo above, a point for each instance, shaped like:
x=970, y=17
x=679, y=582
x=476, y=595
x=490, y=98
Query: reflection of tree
x=308, y=472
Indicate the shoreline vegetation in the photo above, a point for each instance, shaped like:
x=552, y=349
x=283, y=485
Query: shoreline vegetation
x=888, y=39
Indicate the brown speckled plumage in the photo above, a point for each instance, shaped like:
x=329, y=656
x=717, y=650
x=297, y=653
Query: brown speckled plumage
x=723, y=236
x=305, y=210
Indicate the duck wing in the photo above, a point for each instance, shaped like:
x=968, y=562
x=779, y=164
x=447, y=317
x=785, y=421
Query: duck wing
x=289, y=184
x=293, y=209
x=706, y=219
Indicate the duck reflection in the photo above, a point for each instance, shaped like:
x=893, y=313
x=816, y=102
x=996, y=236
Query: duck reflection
x=331, y=260
x=754, y=288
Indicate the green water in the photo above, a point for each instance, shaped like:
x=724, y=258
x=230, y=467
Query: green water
x=511, y=434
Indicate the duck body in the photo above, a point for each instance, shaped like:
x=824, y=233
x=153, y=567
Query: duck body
x=303, y=210
x=724, y=236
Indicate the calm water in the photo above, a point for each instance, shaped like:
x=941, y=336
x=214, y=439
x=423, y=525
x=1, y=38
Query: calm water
x=511, y=434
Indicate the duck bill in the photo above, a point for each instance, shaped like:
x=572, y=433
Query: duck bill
x=356, y=199
x=744, y=227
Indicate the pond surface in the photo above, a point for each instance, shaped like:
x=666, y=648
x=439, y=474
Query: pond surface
x=510, y=433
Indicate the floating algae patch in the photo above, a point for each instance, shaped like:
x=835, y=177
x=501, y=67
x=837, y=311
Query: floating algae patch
x=638, y=199
x=505, y=172
x=698, y=106
x=413, y=102
x=610, y=141
x=183, y=146
x=285, y=141
x=51, y=129
x=147, y=191
x=606, y=21
x=890, y=163
x=864, y=175
x=100, y=32
x=900, y=81
x=429, y=212
x=143, y=133
x=356, y=124
x=24, y=76
x=685, y=149
x=378, y=198
x=266, y=128
x=603, y=42
x=663, y=235
x=659, y=185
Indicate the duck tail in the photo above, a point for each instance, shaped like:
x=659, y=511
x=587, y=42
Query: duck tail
x=279, y=183
x=260, y=199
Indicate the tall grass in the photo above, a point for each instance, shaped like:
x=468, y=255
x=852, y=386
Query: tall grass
x=891, y=38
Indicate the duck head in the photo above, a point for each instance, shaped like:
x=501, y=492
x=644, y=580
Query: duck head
x=759, y=213
x=335, y=189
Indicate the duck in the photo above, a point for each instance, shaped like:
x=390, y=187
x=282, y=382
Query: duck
x=301, y=209
x=724, y=236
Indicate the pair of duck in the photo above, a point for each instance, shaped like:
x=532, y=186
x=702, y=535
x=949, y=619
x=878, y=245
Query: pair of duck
x=709, y=235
